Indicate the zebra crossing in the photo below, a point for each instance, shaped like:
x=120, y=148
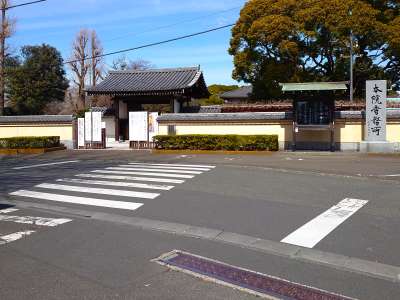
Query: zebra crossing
x=135, y=180
x=26, y=220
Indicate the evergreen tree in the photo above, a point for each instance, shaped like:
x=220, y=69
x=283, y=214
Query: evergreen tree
x=38, y=80
x=308, y=40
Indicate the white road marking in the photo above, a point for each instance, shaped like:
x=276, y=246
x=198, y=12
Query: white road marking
x=78, y=200
x=132, y=168
x=116, y=177
x=314, y=231
x=165, y=167
x=143, y=173
x=5, y=239
x=45, y=165
x=79, y=189
x=176, y=165
x=8, y=210
x=119, y=183
x=393, y=175
x=34, y=220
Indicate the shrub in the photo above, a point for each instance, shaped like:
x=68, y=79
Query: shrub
x=30, y=142
x=218, y=142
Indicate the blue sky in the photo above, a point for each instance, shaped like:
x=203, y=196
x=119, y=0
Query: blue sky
x=124, y=24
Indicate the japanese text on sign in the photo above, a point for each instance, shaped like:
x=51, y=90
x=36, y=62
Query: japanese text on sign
x=376, y=110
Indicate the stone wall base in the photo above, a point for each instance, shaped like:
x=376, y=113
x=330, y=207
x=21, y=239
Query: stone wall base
x=363, y=147
x=378, y=147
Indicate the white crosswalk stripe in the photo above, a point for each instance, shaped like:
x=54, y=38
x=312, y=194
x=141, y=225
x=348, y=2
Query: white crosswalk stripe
x=172, y=167
x=143, y=174
x=113, y=181
x=119, y=183
x=78, y=200
x=131, y=178
x=132, y=168
x=175, y=165
x=89, y=190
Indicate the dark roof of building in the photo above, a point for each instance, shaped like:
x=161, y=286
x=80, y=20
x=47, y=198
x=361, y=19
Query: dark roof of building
x=313, y=86
x=37, y=119
x=105, y=111
x=242, y=93
x=202, y=109
x=183, y=81
x=259, y=116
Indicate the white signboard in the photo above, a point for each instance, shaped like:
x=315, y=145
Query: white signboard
x=96, y=126
x=376, y=111
x=88, y=126
x=81, y=132
x=153, y=125
x=138, y=126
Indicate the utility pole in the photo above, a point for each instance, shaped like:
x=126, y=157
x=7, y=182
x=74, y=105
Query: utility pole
x=351, y=68
x=351, y=62
x=3, y=35
x=2, y=59
x=93, y=67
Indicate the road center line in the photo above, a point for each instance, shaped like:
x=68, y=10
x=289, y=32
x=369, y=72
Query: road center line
x=78, y=200
x=314, y=231
x=44, y=165
x=132, y=178
x=5, y=239
x=143, y=173
x=119, y=183
x=79, y=189
x=34, y=220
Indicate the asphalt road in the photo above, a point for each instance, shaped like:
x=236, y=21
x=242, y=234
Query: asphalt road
x=236, y=212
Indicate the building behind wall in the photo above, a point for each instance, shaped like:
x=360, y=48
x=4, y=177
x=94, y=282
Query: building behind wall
x=131, y=90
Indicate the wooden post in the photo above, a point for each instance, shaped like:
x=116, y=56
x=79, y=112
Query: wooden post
x=116, y=108
x=75, y=134
x=333, y=146
x=333, y=107
x=294, y=146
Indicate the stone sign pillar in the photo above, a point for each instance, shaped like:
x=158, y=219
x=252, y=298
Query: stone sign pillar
x=376, y=116
x=376, y=111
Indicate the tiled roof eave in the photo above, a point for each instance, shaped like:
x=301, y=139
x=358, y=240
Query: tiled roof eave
x=138, y=93
x=156, y=82
x=40, y=119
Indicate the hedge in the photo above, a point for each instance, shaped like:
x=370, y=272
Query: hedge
x=218, y=142
x=30, y=142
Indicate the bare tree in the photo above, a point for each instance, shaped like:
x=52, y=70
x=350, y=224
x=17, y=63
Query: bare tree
x=123, y=63
x=80, y=64
x=7, y=29
x=120, y=63
x=97, y=65
x=140, y=64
